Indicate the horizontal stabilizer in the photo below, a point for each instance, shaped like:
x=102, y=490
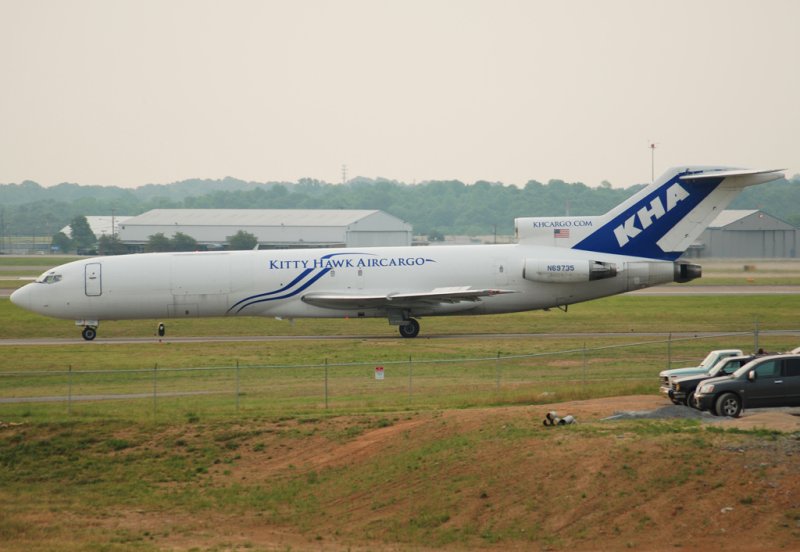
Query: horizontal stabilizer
x=734, y=172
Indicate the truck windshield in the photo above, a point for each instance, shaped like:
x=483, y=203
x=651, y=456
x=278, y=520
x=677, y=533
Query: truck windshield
x=719, y=367
x=708, y=362
x=728, y=366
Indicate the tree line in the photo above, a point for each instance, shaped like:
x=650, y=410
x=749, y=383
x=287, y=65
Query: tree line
x=82, y=240
x=433, y=208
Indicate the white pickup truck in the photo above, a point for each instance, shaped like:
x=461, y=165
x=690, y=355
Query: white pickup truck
x=711, y=359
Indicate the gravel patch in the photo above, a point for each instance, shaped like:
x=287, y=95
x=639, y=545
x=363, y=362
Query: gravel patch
x=666, y=412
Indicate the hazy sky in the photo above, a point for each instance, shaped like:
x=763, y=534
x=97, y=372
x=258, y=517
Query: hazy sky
x=134, y=92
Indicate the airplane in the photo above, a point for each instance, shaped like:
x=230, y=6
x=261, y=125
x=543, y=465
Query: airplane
x=556, y=262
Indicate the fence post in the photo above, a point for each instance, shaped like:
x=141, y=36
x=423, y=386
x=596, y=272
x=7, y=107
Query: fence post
x=237, y=386
x=410, y=378
x=497, y=372
x=584, y=367
x=155, y=389
x=669, y=351
x=755, y=336
x=326, y=384
x=69, y=393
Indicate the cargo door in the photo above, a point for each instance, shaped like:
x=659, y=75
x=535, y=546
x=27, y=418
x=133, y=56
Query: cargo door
x=93, y=280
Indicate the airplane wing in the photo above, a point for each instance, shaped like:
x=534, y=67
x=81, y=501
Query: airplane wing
x=399, y=300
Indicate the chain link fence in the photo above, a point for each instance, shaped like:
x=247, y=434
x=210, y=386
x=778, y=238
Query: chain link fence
x=396, y=385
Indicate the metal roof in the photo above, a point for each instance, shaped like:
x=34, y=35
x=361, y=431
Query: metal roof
x=251, y=217
x=100, y=225
x=730, y=216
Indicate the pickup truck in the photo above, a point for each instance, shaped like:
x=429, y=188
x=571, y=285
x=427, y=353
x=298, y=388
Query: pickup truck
x=682, y=388
x=711, y=359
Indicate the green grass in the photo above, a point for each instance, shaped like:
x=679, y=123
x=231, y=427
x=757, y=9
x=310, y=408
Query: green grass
x=43, y=261
x=175, y=380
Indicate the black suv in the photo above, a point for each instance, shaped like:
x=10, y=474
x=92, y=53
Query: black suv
x=766, y=381
x=681, y=389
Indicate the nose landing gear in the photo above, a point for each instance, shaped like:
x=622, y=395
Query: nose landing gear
x=89, y=333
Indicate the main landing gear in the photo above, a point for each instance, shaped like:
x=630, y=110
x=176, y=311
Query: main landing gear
x=89, y=333
x=409, y=328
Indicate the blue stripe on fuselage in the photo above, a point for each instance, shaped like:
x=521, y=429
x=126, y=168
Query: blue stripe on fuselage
x=263, y=297
x=284, y=288
x=292, y=294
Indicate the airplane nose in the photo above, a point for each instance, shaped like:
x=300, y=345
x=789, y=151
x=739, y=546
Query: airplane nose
x=22, y=297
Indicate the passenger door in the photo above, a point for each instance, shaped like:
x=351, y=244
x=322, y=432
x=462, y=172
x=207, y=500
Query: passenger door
x=767, y=388
x=791, y=381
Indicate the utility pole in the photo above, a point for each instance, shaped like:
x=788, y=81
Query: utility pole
x=344, y=174
x=652, y=162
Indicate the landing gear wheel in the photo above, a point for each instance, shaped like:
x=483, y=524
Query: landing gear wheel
x=89, y=333
x=410, y=328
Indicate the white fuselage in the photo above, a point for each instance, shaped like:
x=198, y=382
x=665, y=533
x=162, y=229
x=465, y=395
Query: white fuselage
x=274, y=282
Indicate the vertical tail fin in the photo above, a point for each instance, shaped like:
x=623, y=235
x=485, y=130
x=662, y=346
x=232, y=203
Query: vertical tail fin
x=664, y=219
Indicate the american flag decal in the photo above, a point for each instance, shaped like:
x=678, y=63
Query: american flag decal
x=561, y=233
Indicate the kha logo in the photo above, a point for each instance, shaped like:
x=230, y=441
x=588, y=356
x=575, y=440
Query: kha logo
x=628, y=230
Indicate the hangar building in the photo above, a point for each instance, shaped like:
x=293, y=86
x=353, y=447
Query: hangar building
x=746, y=234
x=274, y=228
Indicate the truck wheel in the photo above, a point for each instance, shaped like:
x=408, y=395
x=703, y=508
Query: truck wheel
x=729, y=405
x=690, y=399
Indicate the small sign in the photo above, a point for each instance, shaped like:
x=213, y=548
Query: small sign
x=379, y=372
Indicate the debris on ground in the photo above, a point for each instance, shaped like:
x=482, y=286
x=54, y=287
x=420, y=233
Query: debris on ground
x=552, y=418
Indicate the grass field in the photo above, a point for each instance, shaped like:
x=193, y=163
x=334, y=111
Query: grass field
x=287, y=377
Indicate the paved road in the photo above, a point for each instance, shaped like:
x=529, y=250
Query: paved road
x=84, y=398
x=100, y=341
x=718, y=290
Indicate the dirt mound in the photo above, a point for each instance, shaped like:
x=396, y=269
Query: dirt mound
x=497, y=478
x=630, y=474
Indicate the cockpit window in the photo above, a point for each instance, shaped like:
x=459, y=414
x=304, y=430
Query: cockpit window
x=49, y=278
